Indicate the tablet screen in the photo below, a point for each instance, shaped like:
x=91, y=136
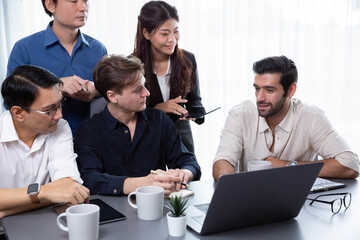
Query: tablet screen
x=107, y=213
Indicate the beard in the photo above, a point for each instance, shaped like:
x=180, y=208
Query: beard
x=274, y=109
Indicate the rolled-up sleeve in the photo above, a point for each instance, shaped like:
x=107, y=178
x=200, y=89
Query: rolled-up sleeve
x=231, y=140
x=328, y=143
x=62, y=162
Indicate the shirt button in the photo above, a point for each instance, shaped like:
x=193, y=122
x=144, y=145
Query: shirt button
x=114, y=191
x=27, y=175
x=126, y=131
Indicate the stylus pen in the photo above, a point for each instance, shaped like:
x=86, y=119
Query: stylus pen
x=82, y=86
x=181, y=183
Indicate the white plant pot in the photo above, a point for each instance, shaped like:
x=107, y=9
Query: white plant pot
x=176, y=225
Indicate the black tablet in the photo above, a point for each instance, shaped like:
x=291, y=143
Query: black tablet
x=107, y=213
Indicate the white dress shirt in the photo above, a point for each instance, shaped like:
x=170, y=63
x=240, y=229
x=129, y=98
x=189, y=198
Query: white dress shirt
x=164, y=82
x=304, y=132
x=50, y=158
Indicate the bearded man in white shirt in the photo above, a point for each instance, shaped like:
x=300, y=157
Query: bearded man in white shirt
x=280, y=129
x=36, y=145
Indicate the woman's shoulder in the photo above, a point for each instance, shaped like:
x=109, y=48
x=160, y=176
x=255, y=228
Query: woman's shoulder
x=188, y=54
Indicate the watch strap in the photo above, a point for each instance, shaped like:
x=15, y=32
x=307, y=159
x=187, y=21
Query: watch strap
x=34, y=198
x=33, y=191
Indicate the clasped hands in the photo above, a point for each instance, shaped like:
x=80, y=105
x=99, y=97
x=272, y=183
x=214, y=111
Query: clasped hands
x=170, y=180
x=275, y=162
x=78, y=88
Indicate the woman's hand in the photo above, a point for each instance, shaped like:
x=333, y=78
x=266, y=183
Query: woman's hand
x=172, y=106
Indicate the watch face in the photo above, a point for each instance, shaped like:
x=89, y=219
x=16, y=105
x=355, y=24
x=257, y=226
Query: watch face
x=293, y=163
x=33, y=188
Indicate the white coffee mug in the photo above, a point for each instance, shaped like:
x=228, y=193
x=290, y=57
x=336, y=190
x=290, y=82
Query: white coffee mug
x=149, y=202
x=82, y=222
x=258, y=165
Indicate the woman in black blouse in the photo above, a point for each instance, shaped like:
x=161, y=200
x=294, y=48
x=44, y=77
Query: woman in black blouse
x=170, y=72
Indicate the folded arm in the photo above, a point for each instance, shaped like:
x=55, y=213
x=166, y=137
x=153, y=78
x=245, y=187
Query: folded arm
x=331, y=169
x=65, y=190
x=222, y=167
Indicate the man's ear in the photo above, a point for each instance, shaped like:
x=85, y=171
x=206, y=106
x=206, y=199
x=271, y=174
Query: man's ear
x=146, y=34
x=50, y=6
x=17, y=113
x=292, y=90
x=112, y=96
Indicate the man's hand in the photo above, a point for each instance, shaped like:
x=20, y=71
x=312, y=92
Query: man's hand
x=164, y=179
x=87, y=95
x=185, y=176
x=78, y=88
x=276, y=162
x=172, y=106
x=65, y=190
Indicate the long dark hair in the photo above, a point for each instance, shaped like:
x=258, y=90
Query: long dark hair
x=152, y=15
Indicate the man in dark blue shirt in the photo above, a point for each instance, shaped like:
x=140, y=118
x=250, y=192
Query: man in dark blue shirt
x=118, y=147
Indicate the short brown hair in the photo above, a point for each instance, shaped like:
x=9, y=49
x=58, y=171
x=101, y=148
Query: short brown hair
x=115, y=71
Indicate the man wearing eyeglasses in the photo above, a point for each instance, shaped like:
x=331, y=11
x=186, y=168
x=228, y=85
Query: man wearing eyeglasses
x=37, y=160
x=281, y=129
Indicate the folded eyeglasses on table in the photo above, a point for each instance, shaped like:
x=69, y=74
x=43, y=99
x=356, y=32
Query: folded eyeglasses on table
x=337, y=203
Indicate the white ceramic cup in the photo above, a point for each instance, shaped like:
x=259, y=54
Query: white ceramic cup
x=258, y=165
x=149, y=202
x=82, y=222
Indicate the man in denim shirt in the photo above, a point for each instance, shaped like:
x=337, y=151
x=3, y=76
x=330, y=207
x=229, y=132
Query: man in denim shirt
x=65, y=51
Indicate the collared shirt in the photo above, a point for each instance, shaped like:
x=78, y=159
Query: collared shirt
x=107, y=155
x=164, y=82
x=304, y=132
x=45, y=50
x=51, y=156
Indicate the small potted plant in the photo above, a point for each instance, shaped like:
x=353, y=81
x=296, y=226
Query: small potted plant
x=176, y=217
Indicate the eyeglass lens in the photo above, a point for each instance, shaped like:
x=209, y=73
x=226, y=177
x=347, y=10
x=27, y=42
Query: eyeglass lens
x=347, y=200
x=336, y=205
x=53, y=110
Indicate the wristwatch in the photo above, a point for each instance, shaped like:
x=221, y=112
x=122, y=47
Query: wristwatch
x=33, y=191
x=292, y=163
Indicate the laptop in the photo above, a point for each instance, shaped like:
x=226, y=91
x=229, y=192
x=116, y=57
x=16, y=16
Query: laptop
x=247, y=199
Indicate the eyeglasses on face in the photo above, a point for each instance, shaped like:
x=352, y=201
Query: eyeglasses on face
x=52, y=111
x=335, y=204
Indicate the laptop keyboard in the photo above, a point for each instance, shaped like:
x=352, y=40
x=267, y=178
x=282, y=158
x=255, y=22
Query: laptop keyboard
x=199, y=219
x=203, y=208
